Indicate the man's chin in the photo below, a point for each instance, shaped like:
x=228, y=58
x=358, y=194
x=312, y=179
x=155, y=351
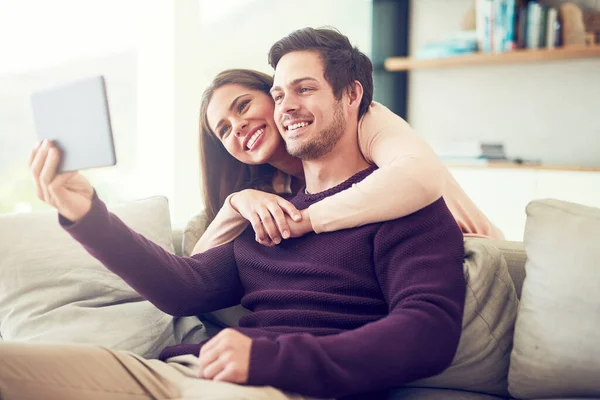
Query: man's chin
x=293, y=147
x=308, y=152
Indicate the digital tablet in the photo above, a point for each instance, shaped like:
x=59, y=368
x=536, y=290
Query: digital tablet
x=75, y=117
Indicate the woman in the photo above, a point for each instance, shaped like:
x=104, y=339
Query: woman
x=410, y=176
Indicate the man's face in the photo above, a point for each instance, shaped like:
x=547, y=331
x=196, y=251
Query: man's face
x=309, y=117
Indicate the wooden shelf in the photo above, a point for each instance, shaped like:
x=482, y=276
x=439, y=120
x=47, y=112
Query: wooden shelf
x=510, y=57
x=526, y=166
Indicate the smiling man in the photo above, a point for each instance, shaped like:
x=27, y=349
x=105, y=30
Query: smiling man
x=353, y=312
x=344, y=314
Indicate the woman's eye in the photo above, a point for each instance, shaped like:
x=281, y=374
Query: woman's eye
x=223, y=131
x=243, y=105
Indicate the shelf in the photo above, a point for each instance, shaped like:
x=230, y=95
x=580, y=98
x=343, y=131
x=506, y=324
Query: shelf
x=526, y=166
x=393, y=64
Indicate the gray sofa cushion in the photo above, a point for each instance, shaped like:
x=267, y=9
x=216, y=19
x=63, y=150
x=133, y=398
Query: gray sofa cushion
x=557, y=334
x=52, y=290
x=481, y=362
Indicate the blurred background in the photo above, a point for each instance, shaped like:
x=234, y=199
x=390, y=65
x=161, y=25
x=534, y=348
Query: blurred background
x=539, y=118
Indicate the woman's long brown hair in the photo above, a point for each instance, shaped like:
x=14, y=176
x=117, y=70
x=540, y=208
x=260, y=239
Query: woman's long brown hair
x=221, y=173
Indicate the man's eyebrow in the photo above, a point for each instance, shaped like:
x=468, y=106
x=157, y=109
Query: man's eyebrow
x=231, y=107
x=294, y=82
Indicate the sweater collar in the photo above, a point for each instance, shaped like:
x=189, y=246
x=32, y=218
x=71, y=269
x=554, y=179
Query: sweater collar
x=312, y=197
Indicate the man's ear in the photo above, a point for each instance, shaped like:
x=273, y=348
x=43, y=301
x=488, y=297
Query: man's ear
x=355, y=94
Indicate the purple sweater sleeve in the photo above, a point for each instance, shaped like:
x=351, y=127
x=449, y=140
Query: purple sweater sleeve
x=419, y=266
x=179, y=286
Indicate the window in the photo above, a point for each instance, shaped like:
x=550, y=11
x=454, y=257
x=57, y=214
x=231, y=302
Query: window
x=43, y=45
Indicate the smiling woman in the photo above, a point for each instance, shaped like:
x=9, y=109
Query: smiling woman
x=226, y=163
x=246, y=128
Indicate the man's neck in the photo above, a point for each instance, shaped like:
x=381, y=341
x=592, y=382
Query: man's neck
x=337, y=166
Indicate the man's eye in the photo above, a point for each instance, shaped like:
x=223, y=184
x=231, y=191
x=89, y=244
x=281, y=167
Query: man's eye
x=304, y=90
x=277, y=97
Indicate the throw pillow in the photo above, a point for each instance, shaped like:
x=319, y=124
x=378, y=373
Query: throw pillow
x=557, y=334
x=491, y=303
x=53, y=291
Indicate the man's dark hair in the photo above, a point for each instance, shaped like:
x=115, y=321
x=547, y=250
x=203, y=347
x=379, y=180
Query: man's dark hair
x=343, y=63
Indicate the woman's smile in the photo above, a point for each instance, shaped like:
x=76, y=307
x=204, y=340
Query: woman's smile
x=254, y=138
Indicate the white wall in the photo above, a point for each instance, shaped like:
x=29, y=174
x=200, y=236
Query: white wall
x=544, y=111
x=242, y=38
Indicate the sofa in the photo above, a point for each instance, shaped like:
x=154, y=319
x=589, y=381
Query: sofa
x=532, y=314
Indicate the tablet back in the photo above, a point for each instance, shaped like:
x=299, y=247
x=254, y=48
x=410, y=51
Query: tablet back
x=75, y=116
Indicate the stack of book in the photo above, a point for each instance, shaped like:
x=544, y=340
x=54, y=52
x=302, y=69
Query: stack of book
x=505, y=25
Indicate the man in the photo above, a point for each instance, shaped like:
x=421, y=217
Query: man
x=341, y=314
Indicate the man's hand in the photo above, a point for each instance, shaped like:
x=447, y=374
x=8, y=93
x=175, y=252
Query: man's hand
x=226, y=357
x=69, y=193
x=268, y=214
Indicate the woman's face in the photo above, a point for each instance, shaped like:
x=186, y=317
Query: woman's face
x=242, y=119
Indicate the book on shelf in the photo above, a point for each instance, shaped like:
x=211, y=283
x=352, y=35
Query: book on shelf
x=511, y=22
x=500, y=26
x=553, y=29
x=522, y=25
x=534, y=15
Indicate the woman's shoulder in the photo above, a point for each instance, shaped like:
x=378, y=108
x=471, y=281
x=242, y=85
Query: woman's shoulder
x=380, y=130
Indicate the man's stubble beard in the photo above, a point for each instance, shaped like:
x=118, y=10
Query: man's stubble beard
x=323, y=141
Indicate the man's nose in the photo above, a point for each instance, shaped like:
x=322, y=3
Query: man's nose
x=289, y=104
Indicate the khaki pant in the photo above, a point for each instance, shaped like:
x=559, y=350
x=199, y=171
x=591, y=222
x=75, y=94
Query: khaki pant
x=80, y=372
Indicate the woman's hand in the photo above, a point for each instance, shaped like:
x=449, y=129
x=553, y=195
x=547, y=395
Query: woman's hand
x=69, y=192
x=267, y=214
x=301, y=227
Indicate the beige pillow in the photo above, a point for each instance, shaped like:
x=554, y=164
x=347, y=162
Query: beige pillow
x=557, y=335
x=53, y=291
x=481, y=361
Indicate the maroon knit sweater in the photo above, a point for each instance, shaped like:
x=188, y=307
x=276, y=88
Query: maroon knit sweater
x=335, y=314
